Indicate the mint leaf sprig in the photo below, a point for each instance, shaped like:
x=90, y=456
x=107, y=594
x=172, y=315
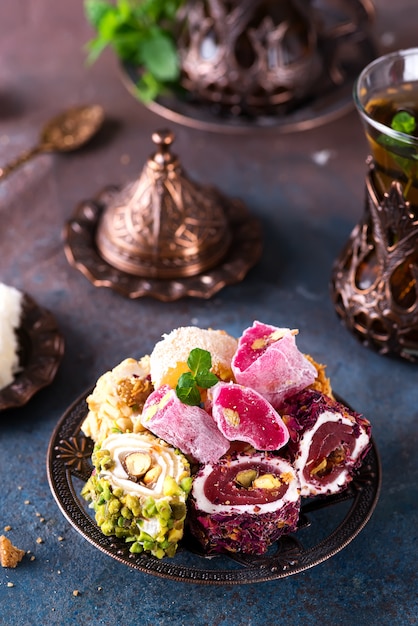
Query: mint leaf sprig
x=403, y=150
x=139, y=32
x=199, y=363
x=403, y=122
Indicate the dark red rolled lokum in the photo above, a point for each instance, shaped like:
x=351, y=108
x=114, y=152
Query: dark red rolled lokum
x=328, y=441
x=243, y=503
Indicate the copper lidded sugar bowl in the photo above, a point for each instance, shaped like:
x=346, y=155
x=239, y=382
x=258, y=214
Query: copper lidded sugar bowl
x=163, y=225
x=163, y=235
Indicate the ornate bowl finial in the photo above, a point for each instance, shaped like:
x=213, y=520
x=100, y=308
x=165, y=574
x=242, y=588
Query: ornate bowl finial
x=163, y=225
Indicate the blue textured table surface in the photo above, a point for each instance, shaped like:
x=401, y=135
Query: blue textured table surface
x=307, y=190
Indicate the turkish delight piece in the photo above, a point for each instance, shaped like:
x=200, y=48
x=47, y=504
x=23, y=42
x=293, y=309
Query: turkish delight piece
x=244, y=503
x=189, y=428
x=168, y=359
x=242, y=414
x=138, y=490
x=11, y=304
x=117, y=399
x=268, y=360
x=328, y=442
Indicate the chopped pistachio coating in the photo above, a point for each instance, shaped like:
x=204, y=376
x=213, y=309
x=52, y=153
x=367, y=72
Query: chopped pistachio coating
x=138, y=492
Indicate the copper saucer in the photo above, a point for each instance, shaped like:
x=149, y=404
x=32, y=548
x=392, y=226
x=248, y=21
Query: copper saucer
x=41, y=347
x=82, y=253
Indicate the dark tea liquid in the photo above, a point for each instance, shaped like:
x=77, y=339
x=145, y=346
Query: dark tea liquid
x=395, y=159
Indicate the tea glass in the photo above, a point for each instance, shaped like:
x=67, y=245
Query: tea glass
x=374, y=284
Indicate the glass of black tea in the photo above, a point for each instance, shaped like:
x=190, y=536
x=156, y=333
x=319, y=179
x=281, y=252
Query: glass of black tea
x=374, y=283
x=386, y=97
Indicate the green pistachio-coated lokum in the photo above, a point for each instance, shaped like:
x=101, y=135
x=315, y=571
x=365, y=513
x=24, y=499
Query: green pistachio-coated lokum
x=138, y=491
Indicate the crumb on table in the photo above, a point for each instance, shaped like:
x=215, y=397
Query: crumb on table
x=10, y=555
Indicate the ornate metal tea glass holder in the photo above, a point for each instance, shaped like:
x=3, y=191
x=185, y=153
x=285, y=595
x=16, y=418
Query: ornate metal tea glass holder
x=260, y=57
x=375, y=279
x=262, y=64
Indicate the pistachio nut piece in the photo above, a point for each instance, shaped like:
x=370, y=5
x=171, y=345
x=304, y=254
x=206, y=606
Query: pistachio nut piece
x=152, y=475
x=267, y=481
x=137, y=464
x=246, y=477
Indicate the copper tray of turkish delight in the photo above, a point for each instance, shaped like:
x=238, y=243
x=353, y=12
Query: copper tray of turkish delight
x=301, y=492
x=326, y=524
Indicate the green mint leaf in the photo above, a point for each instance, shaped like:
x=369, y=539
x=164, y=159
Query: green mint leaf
x=127, y=46
x=206, y=380
x=109, y=26
x=403, y=150
x=125, y=9
x=95, y=11
x=186, y=381
x=148, y=88
x=403, y=122
x=142, y=33
x=199, y=361
x=188, y=395
x=94, y=49
x=159, y=56
x=187, y=390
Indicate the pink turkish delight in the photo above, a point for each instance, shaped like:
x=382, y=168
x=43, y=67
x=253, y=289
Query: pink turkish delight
x=189, y=428
x=242, y=414
x=268, y=360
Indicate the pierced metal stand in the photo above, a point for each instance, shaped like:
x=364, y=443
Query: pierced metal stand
x=374, y=282
x=265, y=57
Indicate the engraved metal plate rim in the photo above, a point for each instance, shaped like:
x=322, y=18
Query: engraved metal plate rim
x=67, y=435
x=44, y=348
x=81, y=251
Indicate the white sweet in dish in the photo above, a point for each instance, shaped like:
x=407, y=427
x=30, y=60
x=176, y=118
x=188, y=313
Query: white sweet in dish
x=10, y=316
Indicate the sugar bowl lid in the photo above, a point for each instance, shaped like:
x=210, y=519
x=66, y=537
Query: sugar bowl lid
x=164, y=225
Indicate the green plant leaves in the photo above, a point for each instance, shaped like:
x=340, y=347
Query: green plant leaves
x=95, y=10
x=403, y=122
x=403, y=150
x=148, y=88
x=159, y=55
x=187, y=390
x=199, y=360
x=140, y=32
x=200, y=376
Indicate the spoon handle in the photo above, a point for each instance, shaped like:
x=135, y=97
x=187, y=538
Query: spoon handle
x=20, y=160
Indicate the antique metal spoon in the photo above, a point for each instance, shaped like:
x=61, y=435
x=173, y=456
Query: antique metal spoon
x=68, y=131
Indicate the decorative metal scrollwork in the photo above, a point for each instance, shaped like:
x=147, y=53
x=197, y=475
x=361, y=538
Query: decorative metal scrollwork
x=375, y=279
